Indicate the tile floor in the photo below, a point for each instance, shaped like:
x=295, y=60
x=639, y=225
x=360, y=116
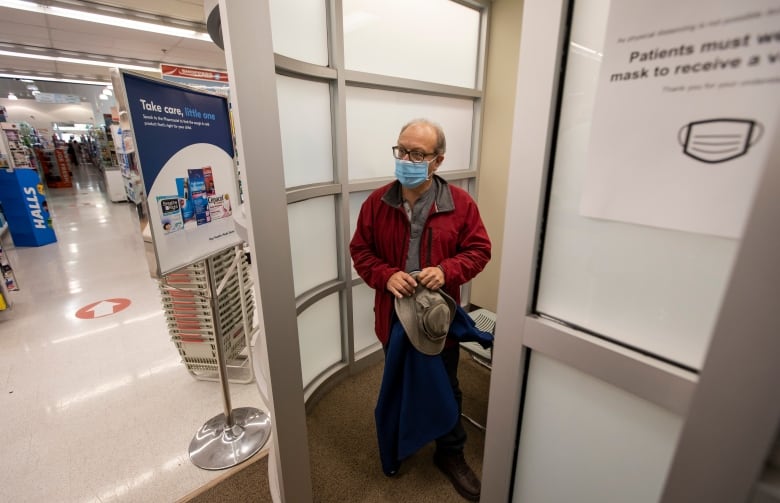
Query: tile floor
x=98, y=410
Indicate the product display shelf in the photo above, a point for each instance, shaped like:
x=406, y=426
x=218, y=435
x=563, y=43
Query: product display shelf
x=192, y=325
x=110, y=153
x=102, y=156
x=55, y=167
x=111, y=166
x=132, y=178
x=5, y=302
x=124, y=149
x=7, y=283
x=18, y=155
x=3, y=223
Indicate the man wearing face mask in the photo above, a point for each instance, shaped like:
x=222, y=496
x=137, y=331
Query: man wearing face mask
x=421, y=223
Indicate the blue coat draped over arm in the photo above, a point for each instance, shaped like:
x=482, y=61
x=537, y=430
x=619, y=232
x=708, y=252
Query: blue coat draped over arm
x=416, y=404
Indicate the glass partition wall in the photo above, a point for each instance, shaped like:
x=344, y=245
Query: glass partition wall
x=350, y=73
x=606, y=327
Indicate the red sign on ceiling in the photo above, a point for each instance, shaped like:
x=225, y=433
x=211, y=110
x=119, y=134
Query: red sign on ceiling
x=193, y=73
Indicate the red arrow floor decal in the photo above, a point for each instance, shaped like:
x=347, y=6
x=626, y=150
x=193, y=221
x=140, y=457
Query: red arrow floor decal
x=102, y=308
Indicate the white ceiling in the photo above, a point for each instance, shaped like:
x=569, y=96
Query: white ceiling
x=38, y=33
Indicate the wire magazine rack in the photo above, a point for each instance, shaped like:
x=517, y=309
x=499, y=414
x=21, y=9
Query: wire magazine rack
x=192, y=323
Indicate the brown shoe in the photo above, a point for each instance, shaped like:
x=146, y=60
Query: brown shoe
x=462, y=477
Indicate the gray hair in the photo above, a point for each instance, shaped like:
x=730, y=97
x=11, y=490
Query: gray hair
x=441, y=141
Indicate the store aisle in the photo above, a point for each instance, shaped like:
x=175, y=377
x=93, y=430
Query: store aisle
x=96, y=410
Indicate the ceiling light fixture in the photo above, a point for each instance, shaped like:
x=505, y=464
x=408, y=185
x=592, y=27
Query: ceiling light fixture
x=79, y=61
x=108, y=92
x=123, y=22
x=26, y=78
x=102, y=97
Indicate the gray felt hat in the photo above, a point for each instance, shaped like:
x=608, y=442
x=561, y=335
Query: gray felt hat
x=426, y=317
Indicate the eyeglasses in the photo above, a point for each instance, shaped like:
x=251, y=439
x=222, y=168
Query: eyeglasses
x=414, y=155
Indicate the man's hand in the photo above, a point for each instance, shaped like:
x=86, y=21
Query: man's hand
x=401, y=284
x=432, y=278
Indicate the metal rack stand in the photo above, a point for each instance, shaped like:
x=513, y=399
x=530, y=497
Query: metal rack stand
x=192, y=319
x=234, y=436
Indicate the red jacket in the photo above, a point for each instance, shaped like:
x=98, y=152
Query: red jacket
x=454, y=238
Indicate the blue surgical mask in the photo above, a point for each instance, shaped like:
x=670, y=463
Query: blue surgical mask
x=411, y=174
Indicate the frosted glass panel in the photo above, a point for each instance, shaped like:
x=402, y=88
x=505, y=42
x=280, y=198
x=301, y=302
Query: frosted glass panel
x=587, y=441
x=299, y=30
x=304, y=120
x=463, y=183
x=363, y=316
x=356, y=199
x=319, y=333
x=374, y=119
x=434, y=40
x=312, y=242
x=650, y=288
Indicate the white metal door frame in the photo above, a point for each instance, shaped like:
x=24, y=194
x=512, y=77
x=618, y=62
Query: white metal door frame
x=742, y=356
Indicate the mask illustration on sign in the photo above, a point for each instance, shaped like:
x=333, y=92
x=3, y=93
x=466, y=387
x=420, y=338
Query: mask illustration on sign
x=411, y=174
x=719, y=140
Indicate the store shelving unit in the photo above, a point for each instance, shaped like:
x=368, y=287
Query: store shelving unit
x=3, y=223
x=18, y=155
x=125, y=148
x=55, y=166
x=132, y=178
x=7, y=281
x=104, y=156
x=107, y=161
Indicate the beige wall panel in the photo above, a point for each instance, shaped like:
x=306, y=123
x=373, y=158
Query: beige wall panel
x=503, y=53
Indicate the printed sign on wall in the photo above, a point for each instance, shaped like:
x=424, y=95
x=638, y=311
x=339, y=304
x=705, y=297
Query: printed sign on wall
x=185, y=147
x=685, y=112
